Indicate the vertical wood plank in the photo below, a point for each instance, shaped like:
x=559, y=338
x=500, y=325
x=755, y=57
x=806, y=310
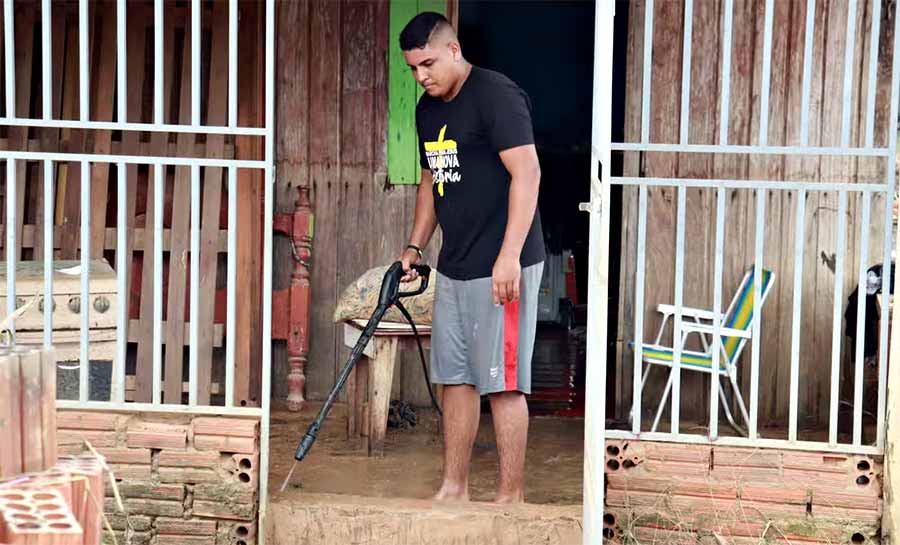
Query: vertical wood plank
x=217, y=114
x=324, y=150
x=356, y=146
x=738, y=211
x=137, y=46
x=68, y=200
x=158, y=146
x=293, y=99
x=103, y=93
x=700, y=218
x=180, y=238
x=49, y=137
x=665, y=97
x=18, y=136
x=832, y=169
x=250, y=113
x=765, y=167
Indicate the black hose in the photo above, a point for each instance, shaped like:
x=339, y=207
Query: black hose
x=421, y=355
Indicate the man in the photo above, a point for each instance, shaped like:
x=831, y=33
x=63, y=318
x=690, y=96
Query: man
x=480, y=178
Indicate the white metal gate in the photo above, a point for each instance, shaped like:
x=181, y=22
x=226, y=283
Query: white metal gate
x=158, y=164
x=715, y=325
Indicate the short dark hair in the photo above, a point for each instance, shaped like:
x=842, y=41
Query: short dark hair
x=420, y=28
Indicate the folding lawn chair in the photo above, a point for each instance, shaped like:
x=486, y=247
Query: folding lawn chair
x=735, y=330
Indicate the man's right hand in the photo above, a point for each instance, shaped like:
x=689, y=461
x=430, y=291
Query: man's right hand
x=409, y=258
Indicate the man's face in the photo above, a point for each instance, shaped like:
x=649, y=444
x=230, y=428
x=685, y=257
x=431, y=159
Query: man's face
x=434, y=67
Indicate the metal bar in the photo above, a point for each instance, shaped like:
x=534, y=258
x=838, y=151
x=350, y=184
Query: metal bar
x=717, y=309
x=46, y=66
x=745, y=184
x=232, y=62
x=887, y=275
x=48, y=251
x=679, y=301
x=84, y=66
x=9, y=51
x=637, y=405
x=158, y=103
x=739, y=149
x=158, y=408
x=11, y=256
x=122, y=126
x=122, y=264
x=158, y=191
x=766, y=74
x=195, y=62
x=861, y=318
x=726, y=72
x=121, y=58
x=85, y=363
x=648, y=65
x=745, y=442
x=849, y=50
x=268, y=203
x=799, y=238
x=595, y=380
x=686, y=71
x=807, y=71
x=757, y=311
x=194, y=380
x=130, y=159
x=873, y=73
x=837, y=318
x=232, y=286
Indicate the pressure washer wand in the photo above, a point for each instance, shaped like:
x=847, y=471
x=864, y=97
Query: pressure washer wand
x=390, y=294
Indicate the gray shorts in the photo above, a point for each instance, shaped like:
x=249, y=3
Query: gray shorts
x=475, y=342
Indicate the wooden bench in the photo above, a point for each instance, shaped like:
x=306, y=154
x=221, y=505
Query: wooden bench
x=369, y=384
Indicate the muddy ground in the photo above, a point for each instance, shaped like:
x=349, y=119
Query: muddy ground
x=411, y=466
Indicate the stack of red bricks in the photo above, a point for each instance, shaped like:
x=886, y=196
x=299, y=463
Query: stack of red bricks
x=184, y=480
x=27, y=410
x=663, y=493
x=60, y=506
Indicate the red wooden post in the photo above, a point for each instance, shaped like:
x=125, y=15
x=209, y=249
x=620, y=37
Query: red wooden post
x=298, y=337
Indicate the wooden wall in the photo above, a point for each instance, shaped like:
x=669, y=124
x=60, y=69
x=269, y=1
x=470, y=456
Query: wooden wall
x=780, y=206
x=331, y=137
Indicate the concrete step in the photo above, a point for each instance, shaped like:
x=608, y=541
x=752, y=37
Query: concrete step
x=325, y=519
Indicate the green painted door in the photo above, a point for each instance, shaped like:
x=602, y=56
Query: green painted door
x=403, y=93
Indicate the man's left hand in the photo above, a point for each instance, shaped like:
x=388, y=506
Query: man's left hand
x=505, y=278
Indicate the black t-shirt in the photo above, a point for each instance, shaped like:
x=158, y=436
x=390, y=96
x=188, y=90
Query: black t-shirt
x=460, y=141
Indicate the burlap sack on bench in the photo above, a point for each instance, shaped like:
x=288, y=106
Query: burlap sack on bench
x=360, y=298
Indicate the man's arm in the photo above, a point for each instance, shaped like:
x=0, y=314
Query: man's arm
x=525, y=171
x=424, y=222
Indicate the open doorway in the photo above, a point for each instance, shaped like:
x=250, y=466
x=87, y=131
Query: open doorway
x=546, y=47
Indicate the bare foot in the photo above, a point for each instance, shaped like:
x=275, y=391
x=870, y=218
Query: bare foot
x=452, y=493
x=509, y=498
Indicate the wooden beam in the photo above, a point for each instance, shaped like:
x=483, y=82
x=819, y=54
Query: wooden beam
x=249, y=197
x=104, y=92
x=217, y=114
x=324, y=148
x=138, y=235
x=129, y=146
x=180, y=239
x=24, y=24
x=158, y=143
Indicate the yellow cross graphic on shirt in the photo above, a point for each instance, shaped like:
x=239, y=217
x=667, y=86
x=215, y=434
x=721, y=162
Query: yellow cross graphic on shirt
x=439, y=146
